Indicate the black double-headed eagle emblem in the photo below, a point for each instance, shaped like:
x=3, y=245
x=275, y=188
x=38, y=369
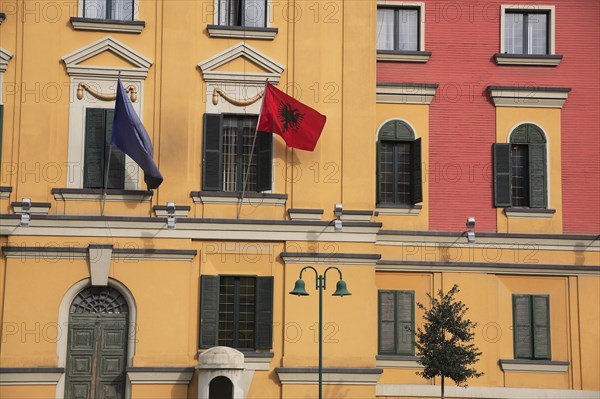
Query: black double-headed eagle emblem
x=289, y=117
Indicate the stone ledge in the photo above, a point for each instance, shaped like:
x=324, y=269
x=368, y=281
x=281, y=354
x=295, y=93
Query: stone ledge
x=112, y=195
x=241, y=32
x=527, y=59
x=30, y=375
x=540, y=366
x=331, y=376
x=529, y=213
x=403, y=56
x=160, y=375
x=107, y=25
x=254, y=199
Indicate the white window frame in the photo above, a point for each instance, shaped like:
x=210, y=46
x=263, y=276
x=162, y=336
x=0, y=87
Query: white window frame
x=533, y=8
x=136, y=9
x=403, y=4
x=102, y=79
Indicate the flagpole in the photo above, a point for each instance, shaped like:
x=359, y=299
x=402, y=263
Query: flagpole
x=239, y=210
x=107, y=166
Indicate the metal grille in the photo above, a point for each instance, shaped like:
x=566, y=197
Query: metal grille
x=99, y=300
x=238, y=137
x=394, y=173
x=520, y=175
x=237, y=307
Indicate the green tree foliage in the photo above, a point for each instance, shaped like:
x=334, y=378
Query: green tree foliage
x=445, y=340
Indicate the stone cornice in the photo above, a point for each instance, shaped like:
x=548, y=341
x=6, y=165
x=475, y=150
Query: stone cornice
x=531, y=97
x=125, y=254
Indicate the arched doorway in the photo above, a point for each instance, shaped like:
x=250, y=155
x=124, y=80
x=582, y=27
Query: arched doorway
x=220, y=388
x=97, y=345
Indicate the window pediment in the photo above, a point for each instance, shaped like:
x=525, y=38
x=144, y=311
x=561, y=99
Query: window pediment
x=268, y=69
x=5, y=56
x=81, y=61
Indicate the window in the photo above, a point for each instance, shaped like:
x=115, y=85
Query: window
x=98, y=130
x=520, y=169
x=531, y=326
x=526, y=32
x=396, y=323
x=228, y=141
x=247, y=13
x=398, y=165
x=236, y=311
x=398, y=29
x=122, y=10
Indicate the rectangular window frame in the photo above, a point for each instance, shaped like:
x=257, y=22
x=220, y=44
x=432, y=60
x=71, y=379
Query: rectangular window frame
x=397, y=351
x=134, y=13
x=529, y=9
x=420, y=7
x=267, y=22
x=210, y=312
x=532, y=333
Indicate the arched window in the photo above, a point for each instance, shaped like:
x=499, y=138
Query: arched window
x=520, y=169
x=220, y=388
x=398, y=165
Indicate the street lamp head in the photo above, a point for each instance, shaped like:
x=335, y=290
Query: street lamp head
x=340, y=289
x=299, y=289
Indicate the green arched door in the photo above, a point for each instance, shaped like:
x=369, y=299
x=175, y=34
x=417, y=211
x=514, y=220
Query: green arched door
x=97, y=345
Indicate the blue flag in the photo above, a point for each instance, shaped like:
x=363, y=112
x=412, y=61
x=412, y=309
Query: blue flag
x=129, y=135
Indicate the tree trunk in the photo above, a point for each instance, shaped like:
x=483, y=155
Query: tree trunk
x=443, y=387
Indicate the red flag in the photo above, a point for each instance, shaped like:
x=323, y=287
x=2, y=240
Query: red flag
x=299, y=125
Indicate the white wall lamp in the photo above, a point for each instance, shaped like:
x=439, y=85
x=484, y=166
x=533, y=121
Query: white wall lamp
x=25, y=208
x=171, y=223
x=338, y=209
x=470, y=230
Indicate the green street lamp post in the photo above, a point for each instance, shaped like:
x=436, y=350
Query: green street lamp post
x=340, y=290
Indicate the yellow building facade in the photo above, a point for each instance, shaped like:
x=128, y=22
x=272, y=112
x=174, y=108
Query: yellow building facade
x=182, y=292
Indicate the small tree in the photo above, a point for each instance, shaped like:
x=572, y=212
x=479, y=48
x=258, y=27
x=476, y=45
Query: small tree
x=445, y=341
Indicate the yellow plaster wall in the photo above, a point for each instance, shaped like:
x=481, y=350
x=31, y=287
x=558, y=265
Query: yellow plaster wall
x=549, y=120
x=589, y=327
x=159, y=391
x=27, y=392
x=329, y=391
x=417, y=116
x=341, y=326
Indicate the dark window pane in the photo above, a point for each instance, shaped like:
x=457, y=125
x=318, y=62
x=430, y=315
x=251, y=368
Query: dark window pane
x=520, y=175
x=238, y=137
x=403, y=172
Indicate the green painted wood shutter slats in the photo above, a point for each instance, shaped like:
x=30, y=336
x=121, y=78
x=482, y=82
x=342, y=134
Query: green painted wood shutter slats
x=416, y=172
x=502, y=183
x=522, y=326
x=541, y=326
x=537, y=176
x=396, y=322
x=404, y=322
x=209, y=311
x=212, y=165
x=264, y=313
x=264, y=161
x=98, y=129
x=387, y=337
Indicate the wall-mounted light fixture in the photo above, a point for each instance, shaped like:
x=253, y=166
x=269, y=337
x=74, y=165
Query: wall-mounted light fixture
x=338, y=209
x=171, y=223
x=470, y=230
x=25, y=208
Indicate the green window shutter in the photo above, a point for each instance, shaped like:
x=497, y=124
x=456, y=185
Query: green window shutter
x=522, y=326
x=416, y=178
x=264, y=313
x=209, y=311
x=95, y=146
x=520, y=135
x=116, y=173
x=212, y=165
x=405, y=312
x=264, y=161
x=502, y=186
x=537, y=176
x=387, y=322
x=541, y=326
